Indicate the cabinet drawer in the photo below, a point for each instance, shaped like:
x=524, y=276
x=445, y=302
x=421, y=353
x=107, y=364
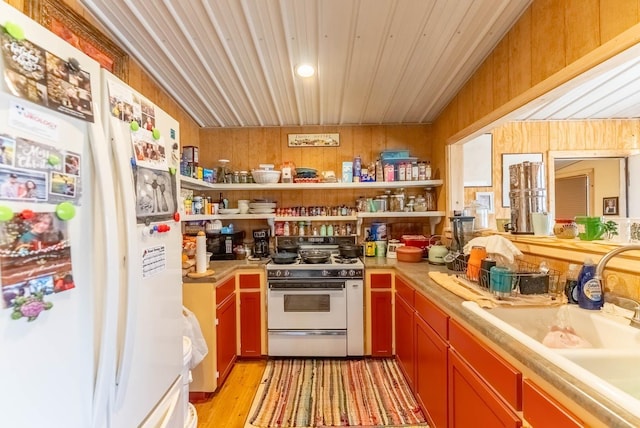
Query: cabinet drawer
x=249, y=280
x=499, y=374
x=540, y=410
x=381, y=280
x=405, y=291
x=225, y=289
x=434, y=316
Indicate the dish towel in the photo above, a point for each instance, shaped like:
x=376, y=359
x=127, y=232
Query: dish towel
x=495, y=245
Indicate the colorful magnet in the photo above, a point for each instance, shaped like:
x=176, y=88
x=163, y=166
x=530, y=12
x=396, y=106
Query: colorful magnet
x=30, y=307
x=27, y=214
x=6, y=213
x=14, y=30
x=134, y=126
x=155, y=133
x=172, y=133
x=53, y=160
x=65, y=211
x=176, y=216
x=172, y=171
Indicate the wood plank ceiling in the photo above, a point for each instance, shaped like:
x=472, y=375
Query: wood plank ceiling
x=230, y=63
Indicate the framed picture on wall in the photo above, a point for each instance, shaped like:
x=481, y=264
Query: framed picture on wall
x=509, y=159
x=610, y=206
x=486, y=199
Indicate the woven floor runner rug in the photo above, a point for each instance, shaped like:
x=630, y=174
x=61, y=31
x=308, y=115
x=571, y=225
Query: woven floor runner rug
x=334, y=393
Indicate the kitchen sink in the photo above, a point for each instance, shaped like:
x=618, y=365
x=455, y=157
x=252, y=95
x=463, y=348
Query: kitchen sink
x=592, y=328
x=609, y=362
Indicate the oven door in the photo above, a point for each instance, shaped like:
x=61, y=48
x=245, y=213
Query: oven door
x=307, y=304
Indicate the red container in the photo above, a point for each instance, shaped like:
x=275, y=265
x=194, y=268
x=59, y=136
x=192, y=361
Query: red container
x=409, y=254
x=419, y=241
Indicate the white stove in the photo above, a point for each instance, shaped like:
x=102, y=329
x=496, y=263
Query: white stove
x=316, y=309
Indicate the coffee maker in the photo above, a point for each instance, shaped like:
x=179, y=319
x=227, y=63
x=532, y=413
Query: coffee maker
x=261, y=243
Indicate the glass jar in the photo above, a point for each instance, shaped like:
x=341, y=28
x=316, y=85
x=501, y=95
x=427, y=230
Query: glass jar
x=430, y=198
x=565, y=228
x=197, y=205
x=244, y=177
x=420, y=204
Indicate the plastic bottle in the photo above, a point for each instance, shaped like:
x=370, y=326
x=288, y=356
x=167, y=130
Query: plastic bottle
x=589, y=292
x=571, y=286
x=357, y=168
x=286, y=230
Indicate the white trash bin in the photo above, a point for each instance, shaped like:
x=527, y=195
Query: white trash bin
x=186, y=379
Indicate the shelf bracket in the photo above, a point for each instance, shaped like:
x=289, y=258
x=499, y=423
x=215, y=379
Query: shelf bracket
x=433, y=221
x=271, y=221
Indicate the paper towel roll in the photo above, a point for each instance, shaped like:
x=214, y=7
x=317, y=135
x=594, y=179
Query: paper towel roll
x=202, y=263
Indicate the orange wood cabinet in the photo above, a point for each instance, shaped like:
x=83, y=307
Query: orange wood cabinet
x=432, y=357
x=405, y=336
x=214, y=305
x=380, y=313
x=471, y=401
x=250, y=286
x=541, y=410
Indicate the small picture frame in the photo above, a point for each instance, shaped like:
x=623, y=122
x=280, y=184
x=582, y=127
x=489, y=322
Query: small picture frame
x=486, y=199
x=610, y=206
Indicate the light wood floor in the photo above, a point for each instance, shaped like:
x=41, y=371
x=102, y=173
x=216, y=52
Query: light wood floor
x=229, y=407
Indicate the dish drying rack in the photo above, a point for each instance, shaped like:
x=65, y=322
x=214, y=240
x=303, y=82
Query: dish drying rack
x=528, y=278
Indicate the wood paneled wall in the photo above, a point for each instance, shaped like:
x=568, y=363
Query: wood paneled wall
x=542, y=137
x=141, y=81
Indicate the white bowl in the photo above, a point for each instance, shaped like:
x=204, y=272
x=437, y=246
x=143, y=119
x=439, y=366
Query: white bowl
x=262, y=176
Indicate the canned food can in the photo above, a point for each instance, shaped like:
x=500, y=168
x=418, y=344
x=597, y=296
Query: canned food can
x=379, y=231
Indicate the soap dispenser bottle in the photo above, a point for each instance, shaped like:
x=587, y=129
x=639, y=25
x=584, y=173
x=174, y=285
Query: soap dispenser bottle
x=589, y=289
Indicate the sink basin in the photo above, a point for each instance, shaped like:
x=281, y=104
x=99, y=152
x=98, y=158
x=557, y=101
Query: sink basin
x=611, y=365
x=595, y=330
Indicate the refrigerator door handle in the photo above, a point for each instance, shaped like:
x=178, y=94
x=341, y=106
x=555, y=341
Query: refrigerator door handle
x=106, y=366
x=126, y=194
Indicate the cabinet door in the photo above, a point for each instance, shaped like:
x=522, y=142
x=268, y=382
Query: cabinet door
x=226, y=336
x=471, y=402
x=381, y=324
x=250, y=312
x=405, y=338
x=541, y=410
x=431, y=373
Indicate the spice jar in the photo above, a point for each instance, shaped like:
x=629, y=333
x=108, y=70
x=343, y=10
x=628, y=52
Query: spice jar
x=565, y=228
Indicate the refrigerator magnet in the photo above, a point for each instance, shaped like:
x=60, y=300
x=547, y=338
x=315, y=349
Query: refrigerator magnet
x=65, y=211
x=6, y=213
x=14, y=30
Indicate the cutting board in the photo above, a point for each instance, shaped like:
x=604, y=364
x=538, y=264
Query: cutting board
x=197, y=275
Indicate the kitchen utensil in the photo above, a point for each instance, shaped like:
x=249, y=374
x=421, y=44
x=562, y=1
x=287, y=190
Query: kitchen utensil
x=462, y=227
x=501, y=281
x=315, y=256
x=264, y=176
x=284, y=258
x=350, y=251
x=409, y=254
x=418, y=241
x=287, y=247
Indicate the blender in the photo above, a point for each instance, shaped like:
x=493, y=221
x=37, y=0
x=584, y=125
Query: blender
x=462, y=232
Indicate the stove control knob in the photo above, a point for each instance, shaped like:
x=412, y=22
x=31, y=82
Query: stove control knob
x=287, y=273
x=343, y=272
x=352, y=272
x=325, y=273
x=278, y=272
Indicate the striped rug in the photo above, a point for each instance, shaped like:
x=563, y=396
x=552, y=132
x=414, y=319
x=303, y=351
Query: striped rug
x=334, y=393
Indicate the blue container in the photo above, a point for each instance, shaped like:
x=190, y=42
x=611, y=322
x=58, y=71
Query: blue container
x=500, y=281
x=589, y=292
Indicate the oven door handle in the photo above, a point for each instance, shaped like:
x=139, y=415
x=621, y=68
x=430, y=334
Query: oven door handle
x=308, y=332
x=319, y=289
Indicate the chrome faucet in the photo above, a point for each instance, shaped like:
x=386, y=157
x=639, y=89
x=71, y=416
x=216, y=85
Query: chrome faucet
x=635, y=321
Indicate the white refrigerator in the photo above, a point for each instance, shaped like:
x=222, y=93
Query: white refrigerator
x=90, y=309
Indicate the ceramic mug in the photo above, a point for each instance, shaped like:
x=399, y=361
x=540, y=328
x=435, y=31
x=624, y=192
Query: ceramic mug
x=589, y=228
x=541, y=224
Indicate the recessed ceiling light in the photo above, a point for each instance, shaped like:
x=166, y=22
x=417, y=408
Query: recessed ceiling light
x=305, y=70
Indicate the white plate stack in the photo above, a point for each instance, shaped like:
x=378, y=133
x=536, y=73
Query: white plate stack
x=262, y=207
